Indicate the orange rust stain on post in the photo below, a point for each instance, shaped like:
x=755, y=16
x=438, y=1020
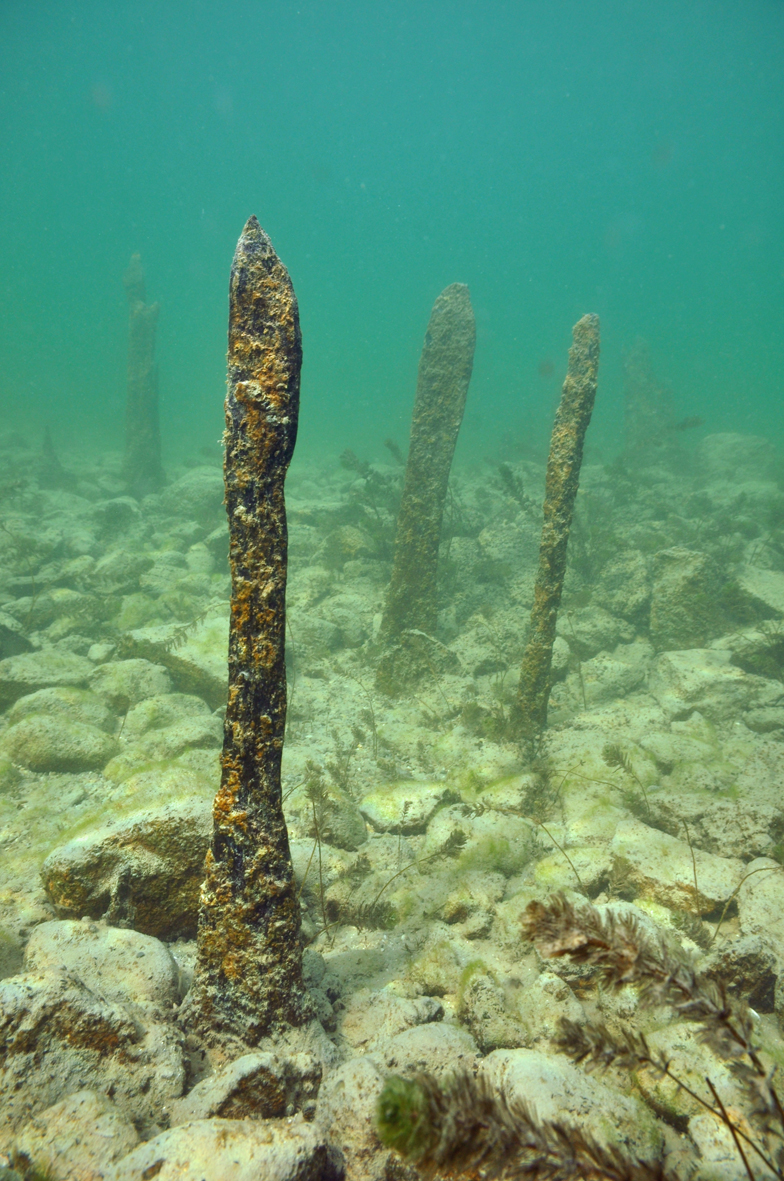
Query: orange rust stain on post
x=248, y=977
x=562, y=481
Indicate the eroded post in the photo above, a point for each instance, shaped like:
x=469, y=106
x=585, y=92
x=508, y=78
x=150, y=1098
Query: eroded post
x=248, y=978
x=562, y=481
x=442, y=385
x=142, y=468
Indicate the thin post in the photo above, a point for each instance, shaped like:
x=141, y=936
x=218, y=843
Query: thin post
x=561, y=484
x=248, y=978
x=142, y=462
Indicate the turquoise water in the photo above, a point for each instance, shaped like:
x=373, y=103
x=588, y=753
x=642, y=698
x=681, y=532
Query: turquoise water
x=621, y=157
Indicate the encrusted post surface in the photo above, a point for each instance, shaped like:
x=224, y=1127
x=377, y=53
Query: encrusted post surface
x=562, y=481
x=142, y=468
x=442, y=384
x=248, y=978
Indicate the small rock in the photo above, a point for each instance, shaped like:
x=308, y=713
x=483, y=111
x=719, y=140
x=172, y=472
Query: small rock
x=197, y=496
x=748, y=968
x=370, y=1018
x=78, y=1137
x=625, y=586
x=483, y=1009
x=145, y=871
x=761, y=904
x=402, y=807
x=765, y=588
x=589, y=630
x=260, y=1085
x=232, y=1150
x=196, y=656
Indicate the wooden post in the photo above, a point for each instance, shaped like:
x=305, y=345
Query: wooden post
x=563, y=477
x=248, y=977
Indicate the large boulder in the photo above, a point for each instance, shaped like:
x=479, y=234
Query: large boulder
x=685, y=611
x=30, y=671
x=56, y=743
x=144, y=871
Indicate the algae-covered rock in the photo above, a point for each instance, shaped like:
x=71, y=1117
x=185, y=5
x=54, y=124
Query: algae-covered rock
x=30, y=671
x=261, y=1085
x=625, y=586
x=124, y=683
x=59, y=1037
x=196, y=496
x=55, y=743
x=662, y=868
x=144, y=871
x=80, y=705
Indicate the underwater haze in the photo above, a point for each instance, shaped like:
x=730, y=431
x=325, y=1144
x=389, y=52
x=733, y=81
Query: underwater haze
x=622, y=157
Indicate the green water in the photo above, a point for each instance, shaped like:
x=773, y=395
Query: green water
x=622, y=157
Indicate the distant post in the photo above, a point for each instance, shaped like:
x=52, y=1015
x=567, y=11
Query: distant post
x=561, y=484
x=142, y=468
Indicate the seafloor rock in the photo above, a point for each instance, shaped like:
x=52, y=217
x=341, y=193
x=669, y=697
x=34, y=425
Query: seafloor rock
x=80, y=705
x=589, y=630
x=490, y=842
x=625, y=586
x=369, y=1018
x=144, y=871
x=748, y=967
x=761, y=904
x=56, y=743
x=57, y=1036
x=765, y=589
x=196, y=656
x=79, y=1137
x=242, y=1150
x=685, y=609
x=261, y=1085
x=661, y=868
x=196, y=496
x=704, y=679
x=124, y=683
x=402, y=807
x=570, y=1095
x=346, y=1110
x=120, y=966
x=608, y=676
x=731, y=457
x=23, y=674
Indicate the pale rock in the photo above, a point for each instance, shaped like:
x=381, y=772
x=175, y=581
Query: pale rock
x=370, y=1018
x=232, y=1150
x=79, y=1137
x=80, y=705
x=54, y=742
x=565, y=1093
x=118, y=965
x=402, y=807
x=662, y=868
x=197, y=496
x=761, y=903
x=704, y=679
x=685, y=610
x=765, y=588
x=625, y=586
x=196, y=656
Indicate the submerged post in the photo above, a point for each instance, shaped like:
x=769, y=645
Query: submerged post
x=142, y=469
x=248, y=978
x=442, y=385
x=562, y=481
